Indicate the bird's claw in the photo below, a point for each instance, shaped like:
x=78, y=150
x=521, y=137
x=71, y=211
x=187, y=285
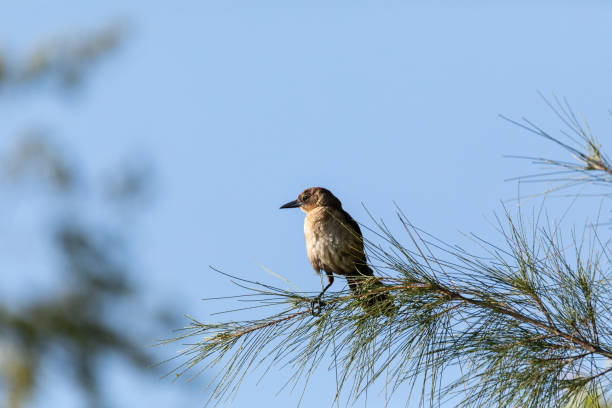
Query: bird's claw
x=315, y=306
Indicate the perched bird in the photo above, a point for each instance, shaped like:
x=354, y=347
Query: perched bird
x=333, y=239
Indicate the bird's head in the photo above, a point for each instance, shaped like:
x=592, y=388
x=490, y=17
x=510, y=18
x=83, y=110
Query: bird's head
x=312, y=198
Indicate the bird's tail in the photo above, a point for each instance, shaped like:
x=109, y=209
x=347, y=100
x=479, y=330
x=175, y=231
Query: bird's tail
x=375, y=297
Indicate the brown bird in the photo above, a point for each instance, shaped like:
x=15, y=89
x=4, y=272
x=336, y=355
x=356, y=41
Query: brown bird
x=333, y=239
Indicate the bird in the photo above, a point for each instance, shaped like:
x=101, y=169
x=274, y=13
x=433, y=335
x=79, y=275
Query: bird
x=334, y=242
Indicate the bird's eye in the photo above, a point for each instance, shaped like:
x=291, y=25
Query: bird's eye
x=305, y=197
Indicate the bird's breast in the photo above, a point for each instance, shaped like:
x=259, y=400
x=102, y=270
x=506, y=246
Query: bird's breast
x=329, y=243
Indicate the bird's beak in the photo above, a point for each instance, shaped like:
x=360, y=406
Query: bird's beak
x=292, y=204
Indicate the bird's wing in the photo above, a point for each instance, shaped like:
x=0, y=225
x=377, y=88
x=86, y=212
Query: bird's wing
x=352, y=225
x=357, y=250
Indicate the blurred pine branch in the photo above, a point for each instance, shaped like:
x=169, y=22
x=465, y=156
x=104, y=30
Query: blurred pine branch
x=71, y=328
x=62, y=60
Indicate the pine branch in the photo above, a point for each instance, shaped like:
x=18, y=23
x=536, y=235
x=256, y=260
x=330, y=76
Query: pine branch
x=519, y=317
x=591, y=165
x=531, y=322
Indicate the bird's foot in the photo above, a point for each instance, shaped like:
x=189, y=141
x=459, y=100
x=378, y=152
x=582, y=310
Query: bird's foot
x=315, y=306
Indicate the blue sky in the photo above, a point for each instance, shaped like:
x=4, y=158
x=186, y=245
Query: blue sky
x=241, y=105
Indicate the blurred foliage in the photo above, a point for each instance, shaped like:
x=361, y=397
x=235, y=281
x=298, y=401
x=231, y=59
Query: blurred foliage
x=35, y=157
x=63, y=60
x=131, y=183
x=72, y=328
